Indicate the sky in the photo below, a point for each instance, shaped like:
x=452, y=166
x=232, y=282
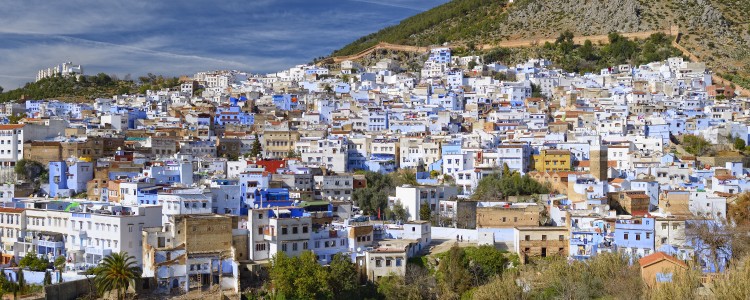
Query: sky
x=183, y=37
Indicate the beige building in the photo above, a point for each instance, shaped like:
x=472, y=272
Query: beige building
x=508, y=216
x=383, y=262
x=12, y=224
x=540, y=241
x=197, y=252
x=660, y=267
x=278, y=140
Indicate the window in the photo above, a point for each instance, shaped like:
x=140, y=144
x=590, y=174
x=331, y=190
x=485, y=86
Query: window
x=294, y=246
x=304, y=245
x=674, y=226
x=260, y=216
x=378, y=262
x=283, y=247
x=527, y=237
x=260, y=229
x=294, y=230
x=561, y=237
x=637, y=237
x=388, y=262
x=625, y=236
x=648, y=235
x=304, y=229
x=130, y=227
x=398, y=262
x=544, y=237
x=284, y=230
x=664, y=226
x=260, y=247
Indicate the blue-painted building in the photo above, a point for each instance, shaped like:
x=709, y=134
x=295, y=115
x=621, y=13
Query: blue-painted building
x=232, y=114
x=710, y=259
x=440, y=55
x=381, y=163
x=67, y=179
x=227, y=197
x=286, y=101
x=635, y=237
x=271, y=197
x=588, y=240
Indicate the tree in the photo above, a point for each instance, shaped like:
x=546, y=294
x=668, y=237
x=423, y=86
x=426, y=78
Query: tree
x=293, y=154
x=425, y=212
x=472, y=64
x=484, y=263
x=116, y=272
x=47, y=278
x=498, y=186
x=20, y=281
x=415, y=284
x=299, y=277
x=256, y=149
x=587, y=50
x=60, y=267
x=564, y=42
x=536, y=91
x=29, y=169
x=695, y=145
x=739, y=144
x=500, y=287
x=311, y=280
x=398, y=212
x=33, y=262
x=343, y=278
x=15, y=118
x=1, y=89
x=373, y=198
x=404, y=176
x=453, y=273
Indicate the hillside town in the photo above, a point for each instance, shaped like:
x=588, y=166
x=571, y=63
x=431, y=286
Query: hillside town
x=205, y=183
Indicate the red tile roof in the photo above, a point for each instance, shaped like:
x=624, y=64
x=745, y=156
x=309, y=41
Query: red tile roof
x=657, y=257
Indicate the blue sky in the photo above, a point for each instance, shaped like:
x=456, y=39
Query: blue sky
x=183, y=37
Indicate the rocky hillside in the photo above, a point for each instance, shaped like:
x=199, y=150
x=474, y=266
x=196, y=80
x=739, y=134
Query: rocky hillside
x=717, y=31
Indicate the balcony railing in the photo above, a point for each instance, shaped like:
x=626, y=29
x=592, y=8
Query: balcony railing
x=50, y=244
x=98, y=251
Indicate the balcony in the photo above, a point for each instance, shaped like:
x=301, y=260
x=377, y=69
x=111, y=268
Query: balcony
x=98, y=251
x=50, y=244
x=580, y=241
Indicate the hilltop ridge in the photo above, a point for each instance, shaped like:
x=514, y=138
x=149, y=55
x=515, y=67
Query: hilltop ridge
x=715, y=31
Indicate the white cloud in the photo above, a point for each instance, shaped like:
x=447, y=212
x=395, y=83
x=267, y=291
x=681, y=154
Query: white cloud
x=172, y=38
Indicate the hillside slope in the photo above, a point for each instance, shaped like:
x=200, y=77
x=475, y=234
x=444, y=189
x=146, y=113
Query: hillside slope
x=717, y=31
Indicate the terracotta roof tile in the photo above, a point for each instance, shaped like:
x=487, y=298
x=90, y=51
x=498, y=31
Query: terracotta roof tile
x=657, y=257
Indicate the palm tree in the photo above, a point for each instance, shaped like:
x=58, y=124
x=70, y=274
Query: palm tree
x=116, y=272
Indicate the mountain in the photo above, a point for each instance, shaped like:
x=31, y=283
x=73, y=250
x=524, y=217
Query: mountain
x=716, y=31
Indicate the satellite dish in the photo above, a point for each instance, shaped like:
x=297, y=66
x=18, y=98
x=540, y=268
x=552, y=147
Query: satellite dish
x=359, y=249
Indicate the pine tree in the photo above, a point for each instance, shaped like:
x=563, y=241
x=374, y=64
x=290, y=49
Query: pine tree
x=256, y=149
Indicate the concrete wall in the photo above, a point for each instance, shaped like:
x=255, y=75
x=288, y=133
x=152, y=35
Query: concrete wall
x=70, y=290
x=448, y=233
x=499, y=237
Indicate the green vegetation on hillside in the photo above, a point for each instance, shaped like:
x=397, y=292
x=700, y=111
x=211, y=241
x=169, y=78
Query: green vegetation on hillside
x=476, y=16
x=101, y=85
x=87, y=87
x=591, y=57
